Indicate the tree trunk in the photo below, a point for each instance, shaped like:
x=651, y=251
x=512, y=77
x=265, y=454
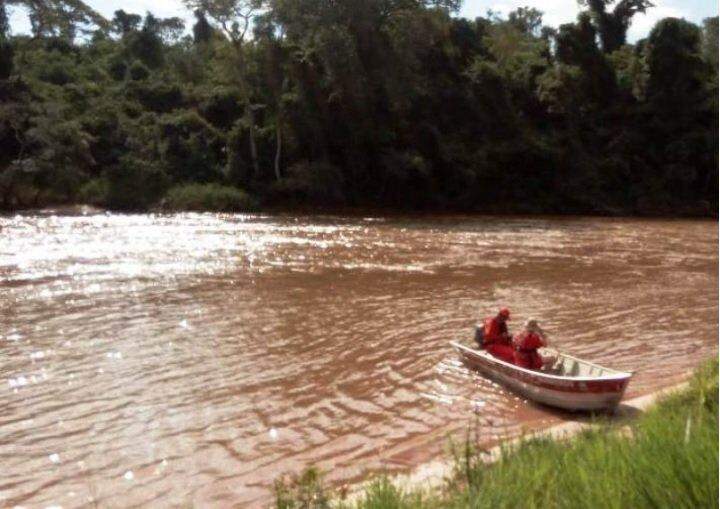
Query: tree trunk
x=253, y=146
x=5, y=198
x=278, y=149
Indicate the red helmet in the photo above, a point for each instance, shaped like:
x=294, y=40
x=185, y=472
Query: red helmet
x=505, y=313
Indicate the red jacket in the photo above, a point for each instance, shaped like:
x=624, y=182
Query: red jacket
x=495, y=331
x=526, y=354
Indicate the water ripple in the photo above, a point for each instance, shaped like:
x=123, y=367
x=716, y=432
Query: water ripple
x=190, y=359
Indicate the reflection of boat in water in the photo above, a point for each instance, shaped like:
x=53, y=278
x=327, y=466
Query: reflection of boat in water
x=571, y=383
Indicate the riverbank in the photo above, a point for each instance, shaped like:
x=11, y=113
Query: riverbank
x=99, y=194
x=191, y=200
x=667, y=457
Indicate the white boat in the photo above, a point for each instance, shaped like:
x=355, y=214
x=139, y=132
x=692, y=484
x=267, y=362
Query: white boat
x=571, y=383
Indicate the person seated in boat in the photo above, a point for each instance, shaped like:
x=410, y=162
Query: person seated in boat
x=526, y=344
x=496, y=338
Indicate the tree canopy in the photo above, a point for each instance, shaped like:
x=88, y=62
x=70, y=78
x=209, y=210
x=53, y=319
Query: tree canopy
x=380, y=103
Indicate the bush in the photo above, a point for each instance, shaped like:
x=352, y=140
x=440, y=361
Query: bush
x=138, y=71
x=95, y=192
x=305, y=492
x=190, y=148
x=135, y=184
x=237, y=167
x=319, y=183
x=222, y=108
x=117, y=68
x=160, y=97
x=56, y=73
x=208, y=197
x=402, y=171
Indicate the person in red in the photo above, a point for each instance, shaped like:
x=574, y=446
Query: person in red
x=527, y=344
x=496, y=338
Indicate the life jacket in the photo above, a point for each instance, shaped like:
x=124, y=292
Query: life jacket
x=495, y=331
x=527, y=342
x=526, y=345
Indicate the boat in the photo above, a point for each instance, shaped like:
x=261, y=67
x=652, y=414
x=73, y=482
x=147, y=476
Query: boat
x=571, y=383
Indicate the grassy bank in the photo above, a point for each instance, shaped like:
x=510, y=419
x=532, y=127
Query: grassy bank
x=668, y=457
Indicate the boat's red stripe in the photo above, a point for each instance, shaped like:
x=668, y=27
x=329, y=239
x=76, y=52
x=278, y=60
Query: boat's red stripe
x=594, y=387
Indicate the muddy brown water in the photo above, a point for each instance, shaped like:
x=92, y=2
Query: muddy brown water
x=191, y=359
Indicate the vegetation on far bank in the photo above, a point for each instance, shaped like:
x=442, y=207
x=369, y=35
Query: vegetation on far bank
x=668, y=457
x=395, y=104
x=210, y=197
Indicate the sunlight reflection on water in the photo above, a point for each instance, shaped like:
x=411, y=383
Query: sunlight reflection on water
x=202, y=355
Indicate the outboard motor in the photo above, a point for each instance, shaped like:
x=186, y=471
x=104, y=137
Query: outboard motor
x=480, y=335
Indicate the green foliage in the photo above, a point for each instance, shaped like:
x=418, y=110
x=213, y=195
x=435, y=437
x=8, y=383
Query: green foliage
x=304, y=492
x=202, y=31
x=135, y=184
x=576, y=46
x=520, y=57
x=4, y=22
x=222, y=107
x=138, y=71
x=559, y=88
x=493, y=98
x=613, y=25
x=208, y=197
x=381, y=493
x=710, y=42
x=6, y=59
x=527, y=20
x=648, y=464
x=631, y=71
x=675, y=64
x=146, y=43
x=157, y=96
x=124, y=24
x=190, y=148
x=403, y=171
x=117, y=67
x=308, y=182
x=47, y=158
x=391, y=103
x=95, y=192
x=238, y=169
x=56, y=73
x=63, y=18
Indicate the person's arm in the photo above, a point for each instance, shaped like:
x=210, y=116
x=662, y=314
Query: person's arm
x=543, y=340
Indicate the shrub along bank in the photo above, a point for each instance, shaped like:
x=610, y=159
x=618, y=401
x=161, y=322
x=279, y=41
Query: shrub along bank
x=666, y=458
x=208, y=197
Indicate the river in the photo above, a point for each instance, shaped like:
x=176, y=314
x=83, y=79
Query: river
x=191, y=359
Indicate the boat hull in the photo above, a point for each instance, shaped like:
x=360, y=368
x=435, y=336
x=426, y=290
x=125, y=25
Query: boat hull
x=569, y=393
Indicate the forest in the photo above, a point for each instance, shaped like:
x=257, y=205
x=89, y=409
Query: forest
x=384, y=104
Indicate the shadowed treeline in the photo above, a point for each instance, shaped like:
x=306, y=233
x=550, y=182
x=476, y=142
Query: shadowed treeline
x=381, y=103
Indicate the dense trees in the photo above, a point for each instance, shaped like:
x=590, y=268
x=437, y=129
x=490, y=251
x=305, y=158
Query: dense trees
x=612, y=25
x=390, y=103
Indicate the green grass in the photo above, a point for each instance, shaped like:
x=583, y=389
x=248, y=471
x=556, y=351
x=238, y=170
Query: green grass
x=667, y=458
x=208, y=197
